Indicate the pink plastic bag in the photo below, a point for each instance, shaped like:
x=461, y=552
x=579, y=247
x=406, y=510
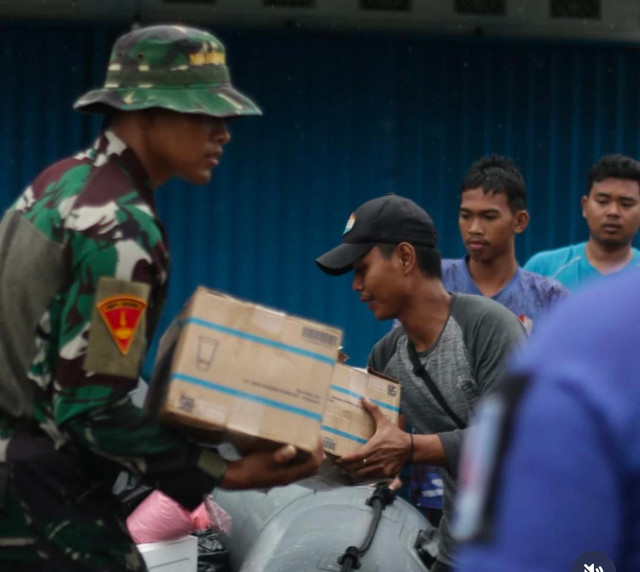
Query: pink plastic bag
x=159, y=517
x=200, y=518
x=219, y=519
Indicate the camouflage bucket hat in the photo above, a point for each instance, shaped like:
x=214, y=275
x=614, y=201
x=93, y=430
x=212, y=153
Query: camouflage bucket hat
x=173, y=67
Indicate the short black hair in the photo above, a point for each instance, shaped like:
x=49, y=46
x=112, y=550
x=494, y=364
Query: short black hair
x=497, y=174
x=614, y=166
x=429, y=258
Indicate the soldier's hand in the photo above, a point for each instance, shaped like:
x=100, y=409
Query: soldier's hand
x=265, y=469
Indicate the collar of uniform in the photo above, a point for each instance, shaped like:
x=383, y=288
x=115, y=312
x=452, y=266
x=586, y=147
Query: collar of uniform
x=109, y=147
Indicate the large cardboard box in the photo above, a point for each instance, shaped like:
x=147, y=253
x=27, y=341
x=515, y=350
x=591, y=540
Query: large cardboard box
x=234, y=371
x=346, y=425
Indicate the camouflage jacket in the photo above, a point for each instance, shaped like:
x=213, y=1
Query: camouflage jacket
x=83, y=275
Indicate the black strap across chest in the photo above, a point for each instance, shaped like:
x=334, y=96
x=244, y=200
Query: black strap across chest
x=420, y=371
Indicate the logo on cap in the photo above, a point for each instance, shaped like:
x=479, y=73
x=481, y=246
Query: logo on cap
x=350, y=223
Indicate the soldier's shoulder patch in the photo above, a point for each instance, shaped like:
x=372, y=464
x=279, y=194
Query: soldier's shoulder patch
x=117, y=336
x=122, y=315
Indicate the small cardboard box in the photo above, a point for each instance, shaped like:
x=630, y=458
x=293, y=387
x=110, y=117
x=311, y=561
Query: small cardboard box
x=232, y=371
x=346, y=425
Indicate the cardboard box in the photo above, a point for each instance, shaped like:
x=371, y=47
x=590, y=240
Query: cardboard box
x=346, y=425
x=229, y=370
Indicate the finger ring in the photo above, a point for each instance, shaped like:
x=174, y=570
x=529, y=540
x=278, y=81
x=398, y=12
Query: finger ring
x=364, y=461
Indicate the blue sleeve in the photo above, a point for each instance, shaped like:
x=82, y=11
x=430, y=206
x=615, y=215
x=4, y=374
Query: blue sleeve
x=537, y=264
x=559, y=494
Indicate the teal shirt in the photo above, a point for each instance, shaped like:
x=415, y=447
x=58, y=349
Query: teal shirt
x=570, y=266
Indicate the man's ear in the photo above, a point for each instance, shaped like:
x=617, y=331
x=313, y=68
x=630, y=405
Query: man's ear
x=583, y=204
x=406, y=254
x=521, y=221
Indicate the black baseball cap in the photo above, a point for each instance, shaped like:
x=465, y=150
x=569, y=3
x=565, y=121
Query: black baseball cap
x=390, y=219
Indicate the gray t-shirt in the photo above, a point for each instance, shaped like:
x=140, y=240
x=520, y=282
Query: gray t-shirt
x=465, y=363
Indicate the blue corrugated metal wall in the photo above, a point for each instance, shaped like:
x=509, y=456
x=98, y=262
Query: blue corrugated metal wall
x=346, y=119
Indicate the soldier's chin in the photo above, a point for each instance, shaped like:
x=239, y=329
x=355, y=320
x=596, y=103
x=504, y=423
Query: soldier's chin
x=201, y=178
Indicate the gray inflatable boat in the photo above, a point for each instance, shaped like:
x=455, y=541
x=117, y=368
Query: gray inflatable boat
x=295, y=529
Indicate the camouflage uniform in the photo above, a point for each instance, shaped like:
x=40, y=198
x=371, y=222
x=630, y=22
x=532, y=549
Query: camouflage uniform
x=83, y=275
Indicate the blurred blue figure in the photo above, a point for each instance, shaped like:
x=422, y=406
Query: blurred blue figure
x=551, y=469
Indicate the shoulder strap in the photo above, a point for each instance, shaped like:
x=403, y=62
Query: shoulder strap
x=420, y=371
